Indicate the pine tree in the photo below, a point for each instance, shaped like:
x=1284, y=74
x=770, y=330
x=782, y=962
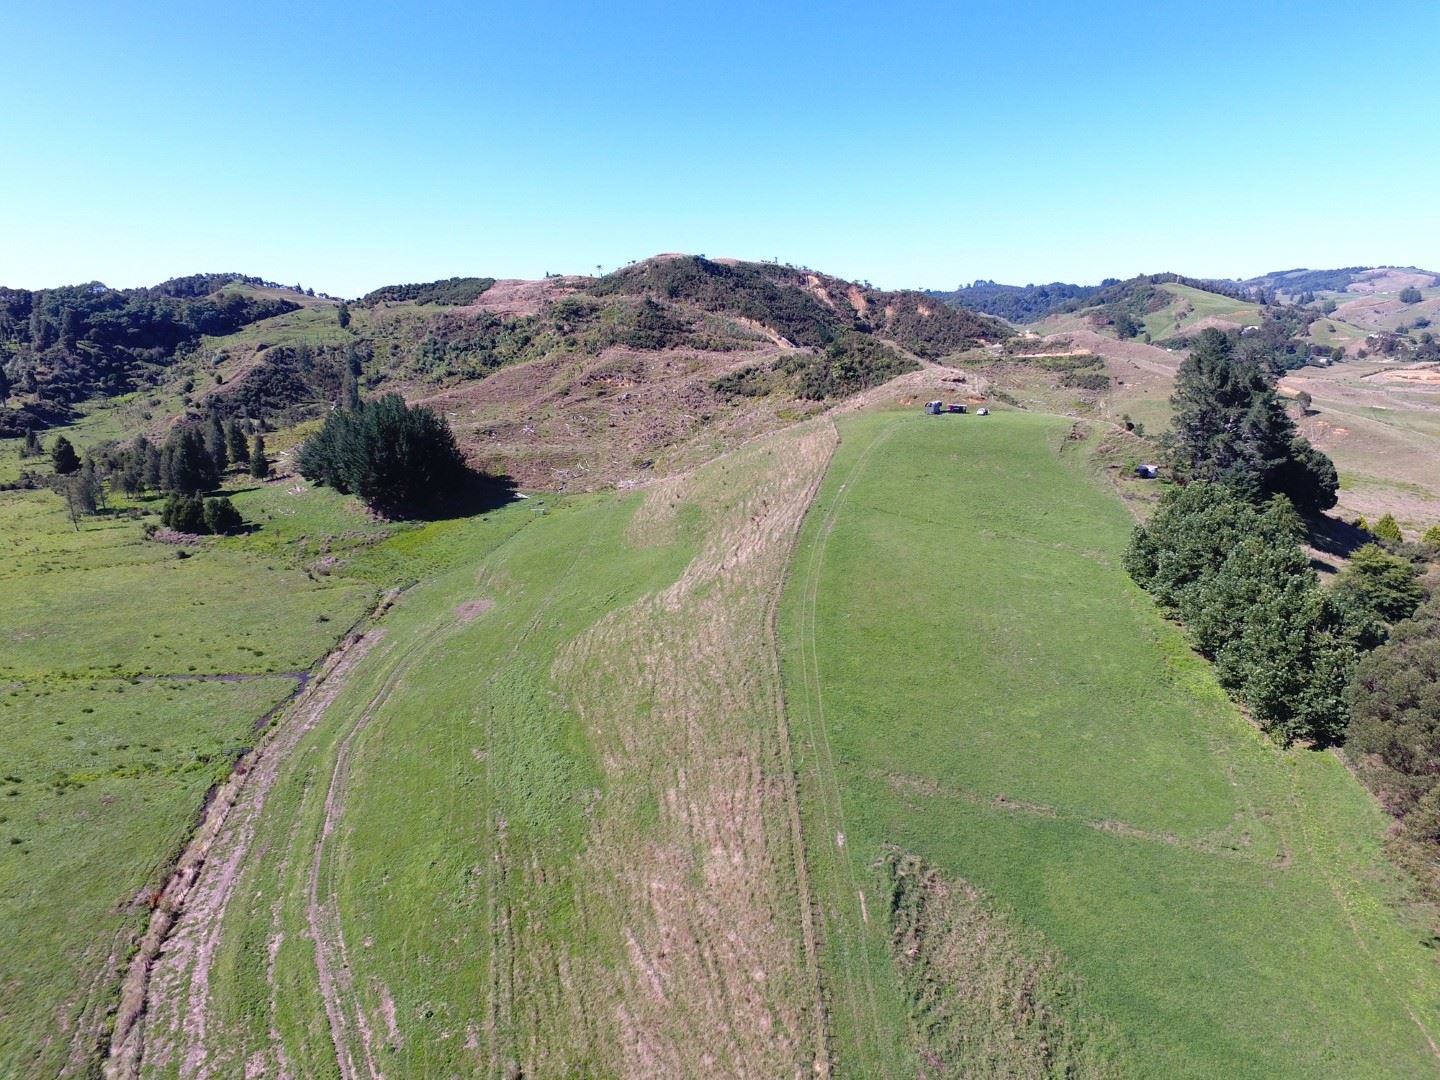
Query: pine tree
x=187, y=466
x=32, y=444
x=342, y=315
x=4, y=385
x=238, y=445
x=63, y=456
x=1387, y=528
x=215, y=443
x=152, y=474
x=132, y=469
x=259, y=463
x=221, y=517
x=1230, y=427
x=1385, y=585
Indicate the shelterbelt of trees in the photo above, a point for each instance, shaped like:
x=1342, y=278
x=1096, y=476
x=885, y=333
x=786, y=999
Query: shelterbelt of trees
x=1224, y=554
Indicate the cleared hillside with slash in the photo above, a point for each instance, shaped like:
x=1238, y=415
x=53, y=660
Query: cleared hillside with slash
x=995, y=726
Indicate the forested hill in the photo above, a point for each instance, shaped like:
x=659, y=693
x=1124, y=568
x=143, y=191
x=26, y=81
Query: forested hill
x=244, y=347
x=1031, y=303
x=1019, y=303
x=806, y=307
x=64, y=345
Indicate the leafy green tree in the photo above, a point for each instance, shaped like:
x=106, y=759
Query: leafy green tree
x=394, y=457
x=64, y=457
x=4, y=386
x=1304, y=400
x=221, y=517
x=186, y=465
x=1411, y=295
x=1394, y=739
x=342, y=315
x=1432, y=536
x=236, y=443
x=32, y=446
x=259, y=463
x=1387, y=528
x=1384, y=584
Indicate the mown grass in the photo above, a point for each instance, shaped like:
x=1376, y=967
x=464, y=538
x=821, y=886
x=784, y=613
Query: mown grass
x=974, y=679
x=111, y=734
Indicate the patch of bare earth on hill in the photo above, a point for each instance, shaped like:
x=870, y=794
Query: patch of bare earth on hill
x=513, y=296
x=163, y=1018
x=695, y=851
x=573, y=422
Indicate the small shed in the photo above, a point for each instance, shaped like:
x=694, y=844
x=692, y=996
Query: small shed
x=957, y=407
x=934, y=408
x=1147, y=472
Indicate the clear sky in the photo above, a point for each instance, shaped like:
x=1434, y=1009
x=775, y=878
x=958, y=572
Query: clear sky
x=346, y=146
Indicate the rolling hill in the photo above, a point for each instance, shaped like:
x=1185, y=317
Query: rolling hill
x=778, y=729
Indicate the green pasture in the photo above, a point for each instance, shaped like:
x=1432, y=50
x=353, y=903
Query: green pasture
x=130, y=679
x=972, y=677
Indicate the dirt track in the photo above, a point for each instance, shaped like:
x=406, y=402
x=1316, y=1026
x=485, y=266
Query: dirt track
x=163, y=1006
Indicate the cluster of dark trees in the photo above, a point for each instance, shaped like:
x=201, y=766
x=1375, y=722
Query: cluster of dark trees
x=188, y=464
x=1231, y=427
x=200, y=516
x=1021, y=303
x=398, y=459
x=1224, y=553
x=1235, y=573
x=456, y=290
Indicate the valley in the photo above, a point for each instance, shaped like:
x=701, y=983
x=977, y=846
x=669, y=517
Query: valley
x=763, y=725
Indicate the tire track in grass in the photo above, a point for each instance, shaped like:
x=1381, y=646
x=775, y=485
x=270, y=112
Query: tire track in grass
x=824, y=1050
x=1344, y=893
x=165, y=997
x=832, y=809
x=343, y=1009
x=501, y=976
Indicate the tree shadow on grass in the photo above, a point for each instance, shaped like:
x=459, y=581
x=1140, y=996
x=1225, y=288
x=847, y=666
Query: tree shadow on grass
x=478, y=493
x=1335, y=537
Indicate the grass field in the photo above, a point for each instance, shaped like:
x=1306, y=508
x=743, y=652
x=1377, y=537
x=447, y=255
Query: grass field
x=974, y=682
x=547, y=826
x=130, y=679
x=1193, y=307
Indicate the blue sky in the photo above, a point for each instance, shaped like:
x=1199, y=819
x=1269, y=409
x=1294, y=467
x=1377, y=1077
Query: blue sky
x=349, y=146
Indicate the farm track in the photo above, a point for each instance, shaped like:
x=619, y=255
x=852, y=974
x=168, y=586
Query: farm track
x=831, y=804
x=164, y=996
